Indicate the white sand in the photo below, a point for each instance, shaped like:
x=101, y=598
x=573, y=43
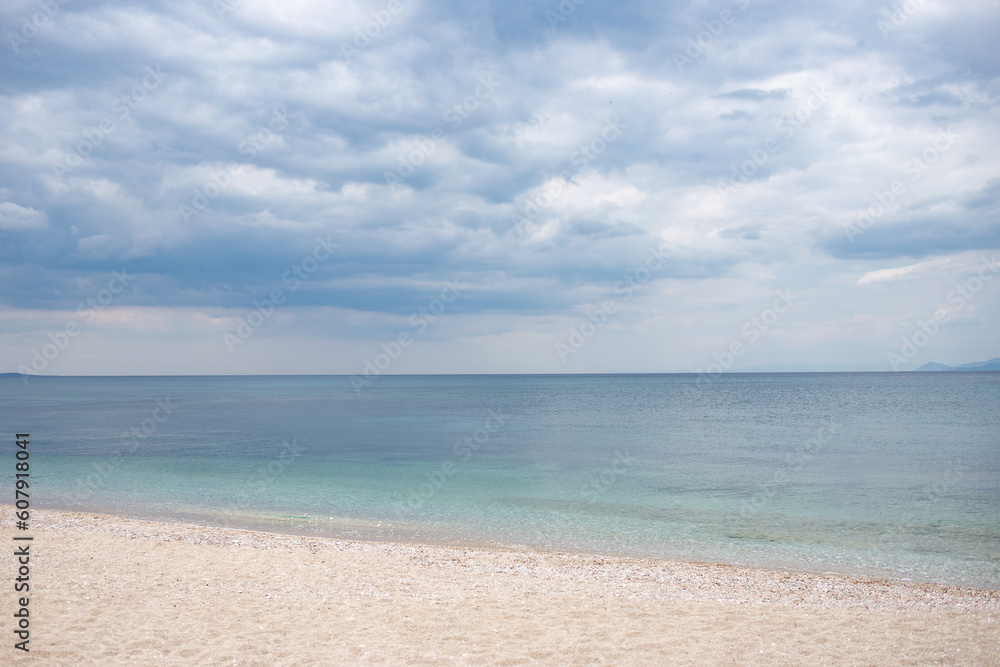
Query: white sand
x=107, y=590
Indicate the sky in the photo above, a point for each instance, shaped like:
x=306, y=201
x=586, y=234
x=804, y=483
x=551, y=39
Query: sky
x=405, y=186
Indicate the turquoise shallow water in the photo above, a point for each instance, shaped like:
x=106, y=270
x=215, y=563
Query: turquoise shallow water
x=895, y=475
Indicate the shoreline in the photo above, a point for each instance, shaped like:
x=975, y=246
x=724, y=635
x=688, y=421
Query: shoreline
x=373, y=532
x=150, y=584
x=96, y=522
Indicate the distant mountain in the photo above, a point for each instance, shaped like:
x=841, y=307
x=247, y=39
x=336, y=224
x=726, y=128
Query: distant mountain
x=931, y=366
x=991, y=365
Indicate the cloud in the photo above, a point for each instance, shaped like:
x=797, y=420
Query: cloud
x=738, y=114
x=21, y=218
x=473, y=141
x=954, y=266
x=754, y=94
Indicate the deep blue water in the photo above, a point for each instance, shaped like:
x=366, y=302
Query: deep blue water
x=888, y=474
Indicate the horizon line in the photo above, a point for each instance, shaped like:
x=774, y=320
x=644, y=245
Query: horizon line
x=346, y=375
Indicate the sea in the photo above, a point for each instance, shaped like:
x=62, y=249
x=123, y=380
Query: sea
x=890, y=475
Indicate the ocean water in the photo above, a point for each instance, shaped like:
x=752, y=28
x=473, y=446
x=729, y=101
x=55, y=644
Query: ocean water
x=892, y=475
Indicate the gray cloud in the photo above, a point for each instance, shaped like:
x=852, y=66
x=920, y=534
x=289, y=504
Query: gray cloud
x=263, y=130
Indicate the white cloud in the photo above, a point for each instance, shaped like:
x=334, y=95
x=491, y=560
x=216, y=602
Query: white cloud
x=20, y=218
x=353, y=118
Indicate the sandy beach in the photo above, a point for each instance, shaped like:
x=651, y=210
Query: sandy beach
x=108, y=590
